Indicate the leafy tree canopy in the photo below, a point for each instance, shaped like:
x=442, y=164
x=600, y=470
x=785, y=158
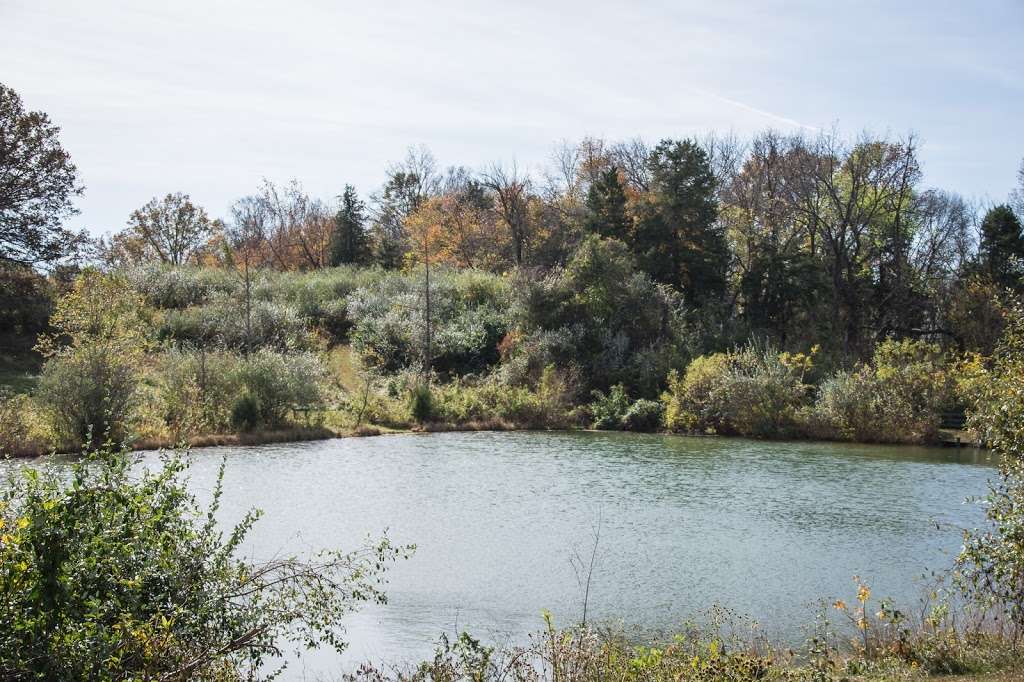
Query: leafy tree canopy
x=37, y=185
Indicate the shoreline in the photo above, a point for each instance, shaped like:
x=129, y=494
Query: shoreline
x=302, y=434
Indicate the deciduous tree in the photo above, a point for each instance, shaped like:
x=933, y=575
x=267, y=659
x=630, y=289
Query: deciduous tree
x=171, y=230
x=37, y=185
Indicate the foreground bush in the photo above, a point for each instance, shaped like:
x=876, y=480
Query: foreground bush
x=884, y=647
x=109, y=574
x=751, y=392
x=991, y=563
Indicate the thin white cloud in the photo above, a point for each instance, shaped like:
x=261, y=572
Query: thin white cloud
x=760, y=112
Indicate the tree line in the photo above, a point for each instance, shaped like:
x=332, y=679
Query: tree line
x=799, y=239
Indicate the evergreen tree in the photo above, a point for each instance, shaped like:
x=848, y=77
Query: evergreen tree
x=1001, y=251
x=678, y=240
x=606, y=201
x=350, y=242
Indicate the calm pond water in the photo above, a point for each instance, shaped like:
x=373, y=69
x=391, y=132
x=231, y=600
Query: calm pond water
x=764, y=528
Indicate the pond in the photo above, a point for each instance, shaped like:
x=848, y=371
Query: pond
x=765, y=528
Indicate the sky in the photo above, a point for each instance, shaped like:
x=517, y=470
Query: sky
x=209, y=97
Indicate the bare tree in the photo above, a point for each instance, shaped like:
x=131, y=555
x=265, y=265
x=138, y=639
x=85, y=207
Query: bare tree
x=632, y=156
x=410, y=183
x=511, y=192
x=945, y=238
x=298, y=228
x=726, y=153
x=245, y=239
x=564, y=179
x=1017, y=195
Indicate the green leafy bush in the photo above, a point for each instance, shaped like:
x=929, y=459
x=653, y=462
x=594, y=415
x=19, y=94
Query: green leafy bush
x=21, y=428
x=644, y=415
x=991, y=563
x=101, y=332
x=204, y=392
x=110, y=573
x=421, y=403
x=609, y=410
x=246, y=413
x=689, y=399
x=615, y=411
x=491, y=398
x=280, y=382
x=196, y=389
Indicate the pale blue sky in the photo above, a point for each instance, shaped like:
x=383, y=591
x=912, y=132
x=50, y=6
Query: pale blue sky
x=208, y=97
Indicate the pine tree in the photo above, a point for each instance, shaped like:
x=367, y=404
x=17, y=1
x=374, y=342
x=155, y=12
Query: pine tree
x=678, y=240
x=606, y=201
x=1001, y=251
x=350, y=242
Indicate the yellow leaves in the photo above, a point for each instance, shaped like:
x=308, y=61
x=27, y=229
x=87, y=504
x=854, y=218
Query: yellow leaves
x=22, y=523
x=863, y=594
x=839, y=605
x=100, y=308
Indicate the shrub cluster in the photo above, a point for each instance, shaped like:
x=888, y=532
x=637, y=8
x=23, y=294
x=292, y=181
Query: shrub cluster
x=226, y=323
x=476, y=402
x=897, y=397
x=751, y=391
x=208, y=305
x=599, y=320
x=468, y=316
x=615, y=411
x=202, y=392
x=22, y=430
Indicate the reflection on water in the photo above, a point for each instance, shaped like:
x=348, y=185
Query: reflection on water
x=764, y=528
